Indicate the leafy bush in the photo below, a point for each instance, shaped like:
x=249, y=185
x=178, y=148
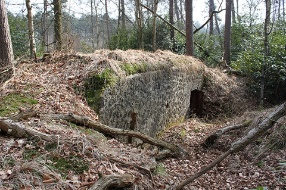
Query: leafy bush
x=19, y=35
x=251, y=60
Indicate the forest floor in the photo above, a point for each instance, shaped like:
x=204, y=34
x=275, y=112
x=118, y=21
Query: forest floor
x=47, y=88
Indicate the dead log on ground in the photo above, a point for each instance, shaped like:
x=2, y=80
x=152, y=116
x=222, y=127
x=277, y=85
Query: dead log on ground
x=87, y=122
x=241, y=143
x=18, y=130
x=113, y=181
x=213, y=137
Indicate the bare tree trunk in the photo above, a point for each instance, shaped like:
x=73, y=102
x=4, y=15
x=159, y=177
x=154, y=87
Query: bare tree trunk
x=6, y=50
x=107, y=22
x=119, y=14
x=233, y=15
x=92, y=24
x=154, y=44
x=178, y=20
x=227, y=33
x=182, y=14
x=171, y=17
x=237, y=13
x=45, y=37
x=31, y=31
x=96, y=28
x=218, y=31
x=189, y=27
x=123, y=16
x=266, y=50
x=139, y=20
x=58, y=24
x=283, y=10
x=211, y=15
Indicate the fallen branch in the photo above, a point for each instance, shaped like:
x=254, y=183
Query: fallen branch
x=113, y=181
x=18, y=130
x=87, y=122
x=241, y=143
x=213, y=137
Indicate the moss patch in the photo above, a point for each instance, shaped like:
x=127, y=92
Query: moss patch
x=160, y=170
x=64, y=165
x=133, y=68
x=12, y=102
x=95, y=86
x=30, y=154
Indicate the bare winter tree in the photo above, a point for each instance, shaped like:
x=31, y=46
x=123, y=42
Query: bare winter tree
x=227, y=33
x=171, y=20
x=45, y=36
x=211, y=9
x=139, y=21
x=107, y=22
x=123, y=16
x=58, y=24
x=31, y=30
x=266, y=49
x=233, y=15
x=189, y=27
x=6, y=51
x=155, y=5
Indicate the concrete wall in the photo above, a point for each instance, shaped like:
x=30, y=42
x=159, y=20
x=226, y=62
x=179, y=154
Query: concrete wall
x=156, y=99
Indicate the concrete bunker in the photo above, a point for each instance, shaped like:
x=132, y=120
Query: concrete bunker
x=146, y=94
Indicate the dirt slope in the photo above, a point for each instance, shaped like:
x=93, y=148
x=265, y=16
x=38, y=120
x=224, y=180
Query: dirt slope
x=48, y=87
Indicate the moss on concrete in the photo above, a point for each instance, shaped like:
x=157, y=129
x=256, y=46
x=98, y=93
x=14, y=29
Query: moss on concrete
x=133, y=68
x=95, y=86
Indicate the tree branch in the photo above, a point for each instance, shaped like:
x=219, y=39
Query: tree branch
x=241, y=143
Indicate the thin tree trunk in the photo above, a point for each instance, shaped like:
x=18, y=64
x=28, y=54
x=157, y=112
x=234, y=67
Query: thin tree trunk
x=31, y=31
x=107, y=22
x=283, y=10
x=237, y=13
x=227, y=33
x=178, y=20
x=58, y=24
x=119, y=14
x=211, y=16
x=123, y=17
x=44, y=28
x=154, y=44
x=92, y=24
x=233, y=15
x=218, y=31
x=189, y=28
x=182, y=14
x=96, y=27
x=139, y=20
x=171, y=17
x=266, y=50
x=6, y=51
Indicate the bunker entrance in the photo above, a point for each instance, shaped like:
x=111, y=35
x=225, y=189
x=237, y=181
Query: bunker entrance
x=196, y=103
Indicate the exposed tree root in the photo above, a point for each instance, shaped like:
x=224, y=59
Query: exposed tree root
x=113, y=181
x=241, y=143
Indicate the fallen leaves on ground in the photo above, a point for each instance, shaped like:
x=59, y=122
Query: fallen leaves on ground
x=83, y=158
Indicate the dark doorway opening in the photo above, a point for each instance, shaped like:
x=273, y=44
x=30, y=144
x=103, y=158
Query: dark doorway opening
x=196, y=103
x=132, y=125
